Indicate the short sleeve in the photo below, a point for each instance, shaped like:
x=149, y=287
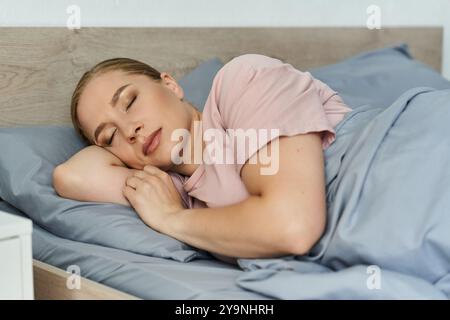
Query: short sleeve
x=260, y=92
x=188, y=201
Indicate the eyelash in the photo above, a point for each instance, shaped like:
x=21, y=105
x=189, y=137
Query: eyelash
x=112, y=136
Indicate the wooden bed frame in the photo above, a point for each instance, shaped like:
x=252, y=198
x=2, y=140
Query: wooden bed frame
x=39, y=68
x=51, y=283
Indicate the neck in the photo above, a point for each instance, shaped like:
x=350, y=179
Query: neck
x=190, y=166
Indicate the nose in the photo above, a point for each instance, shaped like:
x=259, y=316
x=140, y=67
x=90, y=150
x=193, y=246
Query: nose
x=133, y=132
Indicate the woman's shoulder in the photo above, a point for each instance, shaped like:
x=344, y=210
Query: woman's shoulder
x=253, y=61
x=237, y=74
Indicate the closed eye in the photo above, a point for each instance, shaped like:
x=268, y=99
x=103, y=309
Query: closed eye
x=114, y=133
x=111, y=139
x=131, y=102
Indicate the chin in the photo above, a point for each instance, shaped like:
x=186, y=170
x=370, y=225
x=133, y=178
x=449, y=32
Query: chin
x=133, y=166
x=164, y=161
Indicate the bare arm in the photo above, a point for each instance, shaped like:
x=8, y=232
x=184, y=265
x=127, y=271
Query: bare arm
x=92, y=174
x=285, y=214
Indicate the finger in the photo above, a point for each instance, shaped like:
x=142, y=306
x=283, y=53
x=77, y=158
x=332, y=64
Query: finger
x=154, y=171
x=145, y=177
x=140, y=174
x=128, y=193
x=133, y=182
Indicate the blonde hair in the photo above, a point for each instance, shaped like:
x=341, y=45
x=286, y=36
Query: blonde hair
x=129, y=66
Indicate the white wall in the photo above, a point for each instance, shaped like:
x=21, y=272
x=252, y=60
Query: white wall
x=231, y=13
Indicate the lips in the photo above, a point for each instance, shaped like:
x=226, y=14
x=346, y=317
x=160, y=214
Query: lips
x=151, y=143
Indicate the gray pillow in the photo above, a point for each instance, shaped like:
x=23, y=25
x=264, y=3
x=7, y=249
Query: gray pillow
x=28, y=158
x=197, y=84
x=378, y=77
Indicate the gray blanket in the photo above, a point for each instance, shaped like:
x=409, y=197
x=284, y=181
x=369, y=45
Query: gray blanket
x=388, y=197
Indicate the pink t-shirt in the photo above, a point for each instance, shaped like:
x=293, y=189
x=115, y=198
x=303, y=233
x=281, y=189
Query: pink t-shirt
x=253, y=91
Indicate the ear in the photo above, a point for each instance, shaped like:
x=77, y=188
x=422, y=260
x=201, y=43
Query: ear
x=171, y=83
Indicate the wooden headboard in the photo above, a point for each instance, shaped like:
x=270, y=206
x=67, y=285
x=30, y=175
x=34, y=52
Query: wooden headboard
x=40, y=66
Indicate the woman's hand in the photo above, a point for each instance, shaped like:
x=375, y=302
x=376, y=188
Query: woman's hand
x=153, y=195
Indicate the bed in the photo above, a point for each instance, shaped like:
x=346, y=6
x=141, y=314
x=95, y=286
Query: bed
x=39, y=69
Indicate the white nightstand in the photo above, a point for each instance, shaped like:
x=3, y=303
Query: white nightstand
x=16, y=260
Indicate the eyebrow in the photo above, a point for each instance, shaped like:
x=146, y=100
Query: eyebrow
x=113, y=103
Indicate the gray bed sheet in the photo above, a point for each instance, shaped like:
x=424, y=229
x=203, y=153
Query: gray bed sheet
x=139, y=275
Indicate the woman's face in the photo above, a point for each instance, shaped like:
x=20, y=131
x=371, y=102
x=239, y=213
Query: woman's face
x=142, y=107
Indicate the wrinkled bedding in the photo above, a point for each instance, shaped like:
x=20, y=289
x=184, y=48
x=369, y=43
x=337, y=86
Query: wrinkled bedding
x=141, y=275
x=387, y=234
x=388, y=198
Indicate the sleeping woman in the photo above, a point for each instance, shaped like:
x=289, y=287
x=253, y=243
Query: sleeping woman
x=249, y=205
